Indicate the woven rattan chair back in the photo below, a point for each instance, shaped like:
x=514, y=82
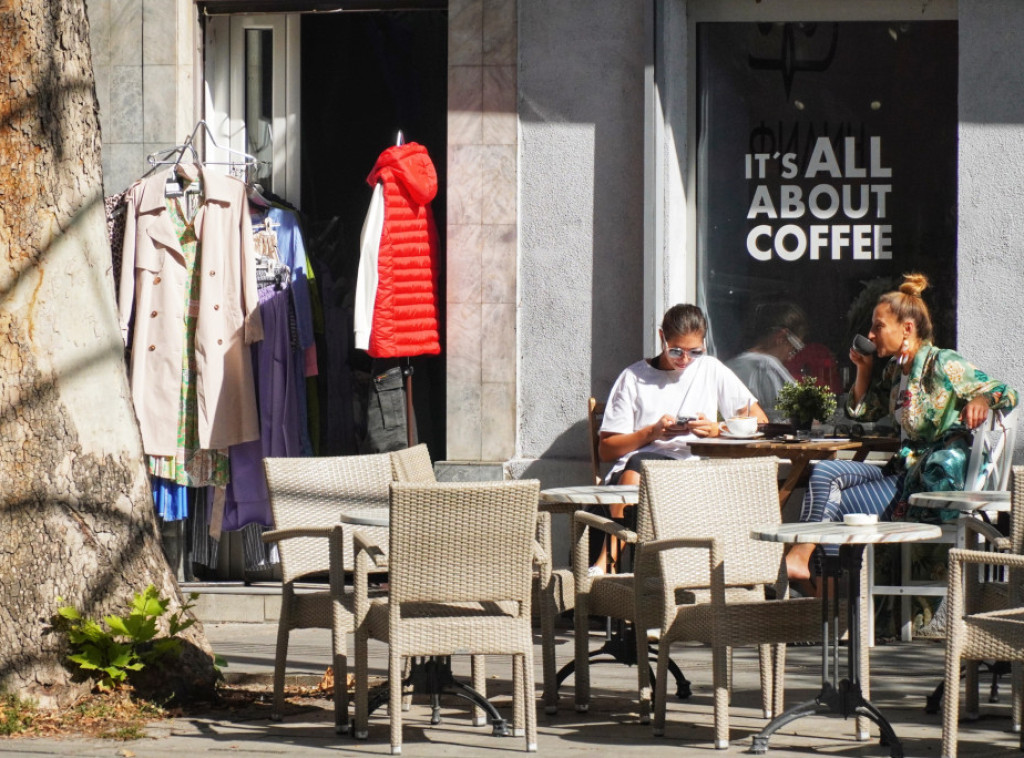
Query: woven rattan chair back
x=309, y=492
x=459, y=542
x=412, y=464
x=995, y=631
x=712, y=498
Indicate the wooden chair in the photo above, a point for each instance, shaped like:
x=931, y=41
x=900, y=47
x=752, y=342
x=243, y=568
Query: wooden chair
x=977, y=629
x=460, y=574
x=306, y=497
x=595, y=415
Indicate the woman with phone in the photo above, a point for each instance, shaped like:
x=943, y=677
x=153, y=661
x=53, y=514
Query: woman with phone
x=658, y=405
x=935, y=396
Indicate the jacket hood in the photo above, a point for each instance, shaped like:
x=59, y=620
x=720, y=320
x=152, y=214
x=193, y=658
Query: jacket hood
x=411, y=167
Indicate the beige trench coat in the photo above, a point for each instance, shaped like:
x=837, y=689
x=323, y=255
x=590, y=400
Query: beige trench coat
x=153, y=280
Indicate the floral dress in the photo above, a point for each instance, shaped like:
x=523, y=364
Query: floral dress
x=190, y=466
x=936, y=443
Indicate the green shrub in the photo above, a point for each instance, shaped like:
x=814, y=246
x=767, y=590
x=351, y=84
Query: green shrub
x=128, y=643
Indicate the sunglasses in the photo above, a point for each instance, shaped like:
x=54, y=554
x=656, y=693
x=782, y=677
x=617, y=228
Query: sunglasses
x=679, y=352
x=794, y=342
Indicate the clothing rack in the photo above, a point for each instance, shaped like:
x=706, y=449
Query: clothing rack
x=161, y=157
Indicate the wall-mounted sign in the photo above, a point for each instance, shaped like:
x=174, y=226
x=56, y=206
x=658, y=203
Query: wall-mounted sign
x=826, y=169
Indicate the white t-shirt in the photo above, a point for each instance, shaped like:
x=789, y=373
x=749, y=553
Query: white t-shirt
x=643, y=394
x=763, y=374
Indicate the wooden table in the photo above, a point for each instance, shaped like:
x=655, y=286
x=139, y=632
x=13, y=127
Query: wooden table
x=844, y=697
x=799, y=454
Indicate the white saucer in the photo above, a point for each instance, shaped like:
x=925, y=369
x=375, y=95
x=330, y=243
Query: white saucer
x=860, y=519
x=729, y=435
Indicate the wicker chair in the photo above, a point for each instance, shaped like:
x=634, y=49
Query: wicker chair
x=616, y=596
x=985, y=620
x=412, y=464
x=476, y=600
x=306, y=497
x=552, y=588
x=680, y=549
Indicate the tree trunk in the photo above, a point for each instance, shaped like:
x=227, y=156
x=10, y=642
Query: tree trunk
x=76, y=512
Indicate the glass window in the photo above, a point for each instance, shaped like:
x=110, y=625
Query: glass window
x=826, y=168
x=259, y=103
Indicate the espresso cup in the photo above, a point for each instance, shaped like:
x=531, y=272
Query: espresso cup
x=742, y=426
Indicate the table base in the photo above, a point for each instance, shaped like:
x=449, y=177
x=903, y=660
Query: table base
x=620, y=647
x=846, y=701
x=845, y=696
x=432, y=675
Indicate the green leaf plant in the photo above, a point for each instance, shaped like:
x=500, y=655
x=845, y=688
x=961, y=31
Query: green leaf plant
x=128, y=643
x=805, y=401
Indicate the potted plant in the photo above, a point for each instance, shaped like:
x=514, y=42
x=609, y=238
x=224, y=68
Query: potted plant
x=805, y=401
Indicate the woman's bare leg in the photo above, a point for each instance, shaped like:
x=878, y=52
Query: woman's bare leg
x=618, y=511
x=798, y=560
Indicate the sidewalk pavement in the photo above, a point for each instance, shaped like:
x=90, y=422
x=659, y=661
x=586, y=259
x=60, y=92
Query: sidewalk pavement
x=903, y=674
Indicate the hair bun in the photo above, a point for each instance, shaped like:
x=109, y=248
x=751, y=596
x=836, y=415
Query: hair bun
x=914, y=284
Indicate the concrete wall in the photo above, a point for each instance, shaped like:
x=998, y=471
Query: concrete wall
x=581, y=96
x=143, y=61
x=990, y=330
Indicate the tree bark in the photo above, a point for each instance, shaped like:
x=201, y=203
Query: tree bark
x=76, y=514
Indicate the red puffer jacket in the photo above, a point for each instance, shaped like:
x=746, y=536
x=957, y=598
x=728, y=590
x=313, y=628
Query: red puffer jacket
x=405, y=319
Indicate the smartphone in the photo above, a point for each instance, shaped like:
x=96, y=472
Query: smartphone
x=685, y=420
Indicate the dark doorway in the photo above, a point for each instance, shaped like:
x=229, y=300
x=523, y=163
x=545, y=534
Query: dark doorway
x=365, y=77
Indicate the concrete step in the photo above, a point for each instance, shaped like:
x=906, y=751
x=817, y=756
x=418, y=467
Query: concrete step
x=239, y=602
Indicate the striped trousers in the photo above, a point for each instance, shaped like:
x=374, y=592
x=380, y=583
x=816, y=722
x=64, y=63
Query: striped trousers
x=840, y=487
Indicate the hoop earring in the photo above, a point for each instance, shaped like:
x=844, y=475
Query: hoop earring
x=904, y=349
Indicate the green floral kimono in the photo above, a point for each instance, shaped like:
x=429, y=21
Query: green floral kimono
x=937, y=445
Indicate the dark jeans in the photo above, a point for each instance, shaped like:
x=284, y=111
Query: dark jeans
x=385, y=411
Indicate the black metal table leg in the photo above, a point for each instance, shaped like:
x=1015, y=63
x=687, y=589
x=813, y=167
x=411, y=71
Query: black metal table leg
x=845, y=696
x=620, y=647
x=432, y=676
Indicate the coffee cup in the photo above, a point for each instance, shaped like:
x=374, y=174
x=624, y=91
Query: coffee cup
x=742, y=426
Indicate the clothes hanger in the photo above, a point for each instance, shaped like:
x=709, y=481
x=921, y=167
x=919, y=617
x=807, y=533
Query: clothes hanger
x=160, y=157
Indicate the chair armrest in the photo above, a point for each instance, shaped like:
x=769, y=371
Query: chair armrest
x=362, y=544
x=657, y=546
x=1008, y=560
x=605, y=525
x=276, y=535
x=540, y=557
x=646, y=553
x=984, y=529
x=368, y=555
x=958, y=558
x=581, y=523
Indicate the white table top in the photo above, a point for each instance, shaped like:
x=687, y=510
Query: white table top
x=367, y=517
x=592, y=494
x=838, y=533
x=965, y=502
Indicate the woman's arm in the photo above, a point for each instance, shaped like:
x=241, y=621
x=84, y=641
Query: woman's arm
x=974, y=386
x=613, y=446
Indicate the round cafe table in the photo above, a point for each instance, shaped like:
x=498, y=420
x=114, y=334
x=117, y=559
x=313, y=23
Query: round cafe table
x=845, y=696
